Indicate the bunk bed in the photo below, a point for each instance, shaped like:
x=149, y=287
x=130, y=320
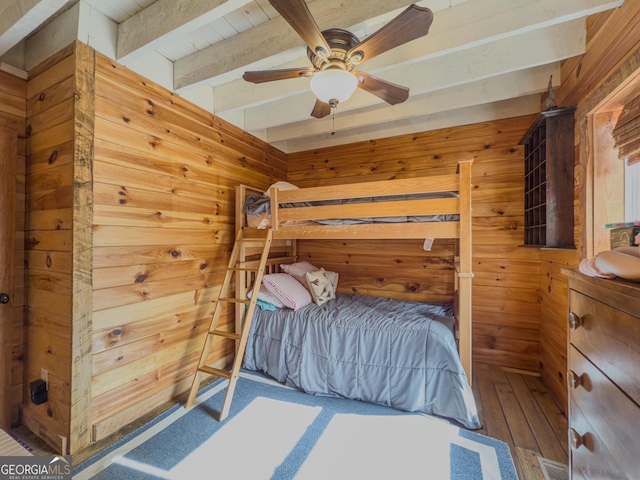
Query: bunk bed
x=416, y=208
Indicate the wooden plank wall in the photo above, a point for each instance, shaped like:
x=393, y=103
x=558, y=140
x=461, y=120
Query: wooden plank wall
x=554, y=294
x=163, y=177
x=612, y=54
x=13, y=107
x=50, y=127
x=130, y=219
x=506, y=297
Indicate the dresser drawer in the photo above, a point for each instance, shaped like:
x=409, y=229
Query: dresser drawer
x=612, y=416
x=610, y=338
x=590, y=460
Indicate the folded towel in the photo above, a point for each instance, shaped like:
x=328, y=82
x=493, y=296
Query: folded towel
x=588, y=267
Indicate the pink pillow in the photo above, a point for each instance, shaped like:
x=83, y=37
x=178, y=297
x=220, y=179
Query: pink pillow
x=288, y=290
x=299, y=270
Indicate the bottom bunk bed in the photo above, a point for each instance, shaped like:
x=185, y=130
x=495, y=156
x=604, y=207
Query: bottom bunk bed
x=397, y=353
x=378, y=350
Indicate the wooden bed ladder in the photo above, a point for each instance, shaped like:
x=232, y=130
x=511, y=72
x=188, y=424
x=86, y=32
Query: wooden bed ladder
x=242, y=239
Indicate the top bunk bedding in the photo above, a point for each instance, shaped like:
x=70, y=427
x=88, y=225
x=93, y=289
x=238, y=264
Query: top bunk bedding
x=423, y=207
x=257, y=207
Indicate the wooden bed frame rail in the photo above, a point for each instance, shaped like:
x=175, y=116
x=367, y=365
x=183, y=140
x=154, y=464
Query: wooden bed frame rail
x=290, y=224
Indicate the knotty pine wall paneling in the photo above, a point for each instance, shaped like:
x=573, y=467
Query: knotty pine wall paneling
x=164, y=209
x=13, y=110
x=612, y=56
x=553, y=320
x=49, y=243
x=130, y=205
x=506, y=287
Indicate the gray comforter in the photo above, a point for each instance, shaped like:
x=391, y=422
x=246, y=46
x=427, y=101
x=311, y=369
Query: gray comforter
x=400, y=354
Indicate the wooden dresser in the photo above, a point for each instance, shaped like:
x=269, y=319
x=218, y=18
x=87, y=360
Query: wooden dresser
x=604, y=378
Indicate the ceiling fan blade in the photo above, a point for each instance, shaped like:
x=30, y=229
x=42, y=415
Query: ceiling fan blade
x=271, y=75
x=297, y=14
x=321, y=109
x=413, y=23
x=387, y=91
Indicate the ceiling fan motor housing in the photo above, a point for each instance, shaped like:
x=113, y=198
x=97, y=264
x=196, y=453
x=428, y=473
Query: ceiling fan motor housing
x=340, y=41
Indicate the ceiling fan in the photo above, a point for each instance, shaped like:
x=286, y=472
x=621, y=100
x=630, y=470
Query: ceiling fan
x=334, y=54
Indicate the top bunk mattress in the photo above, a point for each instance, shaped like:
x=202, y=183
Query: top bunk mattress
x=257, y=209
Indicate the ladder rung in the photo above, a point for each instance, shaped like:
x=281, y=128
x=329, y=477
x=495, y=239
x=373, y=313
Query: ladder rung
x=260, y=240
x=235, y=300
x=215, y=371
x=254, y=235
x=221, y=333
x=247, y=237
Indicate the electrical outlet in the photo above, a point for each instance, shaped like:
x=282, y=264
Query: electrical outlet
x=44, y=375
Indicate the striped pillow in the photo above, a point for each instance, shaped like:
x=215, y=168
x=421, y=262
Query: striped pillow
x=265, y=295
x=298, y=271
x=288, y=290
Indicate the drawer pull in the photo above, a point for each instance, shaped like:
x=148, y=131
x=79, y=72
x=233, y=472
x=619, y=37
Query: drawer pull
x=574, y=321
x=574, y=379
x=575, y=438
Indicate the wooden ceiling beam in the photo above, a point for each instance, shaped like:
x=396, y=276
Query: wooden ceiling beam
x=485, y=112
x=272, y=38
x=485, y=21
x=19, y=18
x=496, y=89
x=552, y=44
x=165, y=20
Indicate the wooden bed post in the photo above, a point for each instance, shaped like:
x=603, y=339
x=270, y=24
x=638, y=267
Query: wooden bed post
x=275, y=220
x=464, y=268
x=241, y=280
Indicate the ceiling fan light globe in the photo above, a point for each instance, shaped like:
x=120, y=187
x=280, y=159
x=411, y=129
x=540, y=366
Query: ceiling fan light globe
x=333, y=85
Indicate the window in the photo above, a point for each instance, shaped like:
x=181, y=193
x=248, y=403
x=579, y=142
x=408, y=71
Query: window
x=632, y=192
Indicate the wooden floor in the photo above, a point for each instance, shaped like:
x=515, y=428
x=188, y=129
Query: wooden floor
x=518, y=410
x=514, y=408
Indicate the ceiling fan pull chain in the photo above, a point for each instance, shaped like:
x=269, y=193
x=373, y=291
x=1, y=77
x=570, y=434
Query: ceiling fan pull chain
x=333, y=121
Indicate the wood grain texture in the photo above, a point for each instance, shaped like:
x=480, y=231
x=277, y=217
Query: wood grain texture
x=81, y=321
x=603, y=361
x=358, y=233
x=8, y=184
x=598, y=84
x=49, y=244
x=610, y=42
x=130, y=199
x=163, y=227
x=553, y=320
x=13, y=112
x=507, y=275
x=518, y=410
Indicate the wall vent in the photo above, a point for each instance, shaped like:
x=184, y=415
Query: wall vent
x=553, y=470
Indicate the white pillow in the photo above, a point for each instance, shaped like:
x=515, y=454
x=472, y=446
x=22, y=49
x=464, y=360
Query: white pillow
x=333, y=278
x=281, y=186
x=288, y=290
x=266, y=296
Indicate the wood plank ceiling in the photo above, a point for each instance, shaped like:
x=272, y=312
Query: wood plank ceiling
x=482, y=60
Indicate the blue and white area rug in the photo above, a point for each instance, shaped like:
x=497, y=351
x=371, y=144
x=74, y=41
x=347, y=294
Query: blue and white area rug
x=274, y=432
